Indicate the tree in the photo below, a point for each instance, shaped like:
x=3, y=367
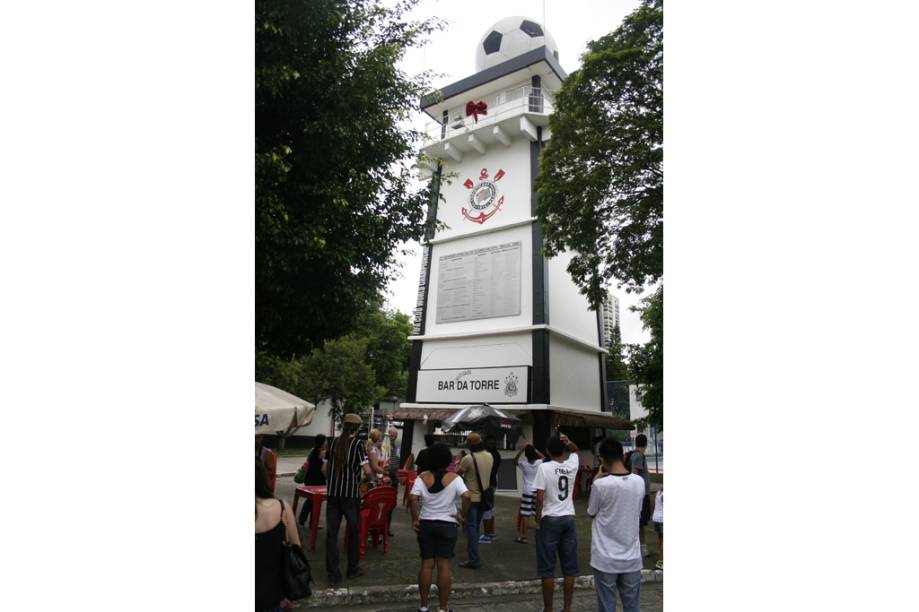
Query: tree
x=616, y=366
x=332, y=163
x=601, y=177
x=338, y=372
x=388, y=349
x=647, y=360
x=353, y=371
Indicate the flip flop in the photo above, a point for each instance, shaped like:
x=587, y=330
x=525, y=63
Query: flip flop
x=520, y=540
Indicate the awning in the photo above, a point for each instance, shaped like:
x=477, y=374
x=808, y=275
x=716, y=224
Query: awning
x=603, y=421
x=561, y=416
x=420, y=414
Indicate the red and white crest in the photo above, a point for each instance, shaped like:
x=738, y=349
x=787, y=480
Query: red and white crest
x=483, y=197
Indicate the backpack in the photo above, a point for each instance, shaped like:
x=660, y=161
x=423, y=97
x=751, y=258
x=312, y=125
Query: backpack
x=627, y=460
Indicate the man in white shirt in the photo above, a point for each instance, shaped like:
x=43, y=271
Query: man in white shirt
x=555, y=519
x=615, y=554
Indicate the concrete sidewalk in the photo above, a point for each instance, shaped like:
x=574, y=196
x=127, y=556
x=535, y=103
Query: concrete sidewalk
x=502, y=562
x=651, y=599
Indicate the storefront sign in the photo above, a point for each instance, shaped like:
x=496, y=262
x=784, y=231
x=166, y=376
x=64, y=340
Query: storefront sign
x=492, y=385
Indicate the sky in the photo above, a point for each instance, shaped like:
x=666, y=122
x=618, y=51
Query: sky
x=451, y=54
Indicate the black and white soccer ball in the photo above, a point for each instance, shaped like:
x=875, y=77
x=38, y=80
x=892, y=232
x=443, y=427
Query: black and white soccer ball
x=510, y=37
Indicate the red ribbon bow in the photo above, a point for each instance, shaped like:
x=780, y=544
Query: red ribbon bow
x=476, y=108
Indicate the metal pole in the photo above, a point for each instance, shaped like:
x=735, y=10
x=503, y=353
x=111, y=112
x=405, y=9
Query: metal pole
x=654, y=433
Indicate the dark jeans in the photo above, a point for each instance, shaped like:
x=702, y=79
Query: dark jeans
x=305, y=510
x=336, y=508
x=472, y=533
x=556, y=536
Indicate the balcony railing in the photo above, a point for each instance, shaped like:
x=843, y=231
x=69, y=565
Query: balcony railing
x=501, y=105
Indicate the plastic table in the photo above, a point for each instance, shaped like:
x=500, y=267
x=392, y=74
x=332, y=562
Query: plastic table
x=315, y=495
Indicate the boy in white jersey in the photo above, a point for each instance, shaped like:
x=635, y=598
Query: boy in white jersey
x=555, y=519
x=615, y=552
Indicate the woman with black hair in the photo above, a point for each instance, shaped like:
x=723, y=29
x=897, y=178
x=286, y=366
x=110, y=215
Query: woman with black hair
x=314, y=476
x=435, y=494
x=528, y=469
x=273, y=519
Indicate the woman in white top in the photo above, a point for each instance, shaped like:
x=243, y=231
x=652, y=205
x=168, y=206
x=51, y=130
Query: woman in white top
x=435, y=493
x=528, y=469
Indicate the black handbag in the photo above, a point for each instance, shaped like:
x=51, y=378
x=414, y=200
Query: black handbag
x=488, y=496
x=295, y=569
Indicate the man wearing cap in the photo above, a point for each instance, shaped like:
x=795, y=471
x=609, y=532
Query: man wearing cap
x=342, y=467
x=475, y=468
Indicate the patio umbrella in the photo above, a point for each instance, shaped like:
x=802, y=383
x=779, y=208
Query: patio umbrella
x=482, y=417
x=280, y=411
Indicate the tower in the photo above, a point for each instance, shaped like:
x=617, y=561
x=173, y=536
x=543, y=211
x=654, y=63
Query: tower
x=609, y=317
x=496, y=321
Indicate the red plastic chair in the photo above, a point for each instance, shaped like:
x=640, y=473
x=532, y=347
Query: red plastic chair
x=409, y=483
x=376, y=507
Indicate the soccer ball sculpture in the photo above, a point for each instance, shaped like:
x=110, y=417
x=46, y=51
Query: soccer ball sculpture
x=510, y=37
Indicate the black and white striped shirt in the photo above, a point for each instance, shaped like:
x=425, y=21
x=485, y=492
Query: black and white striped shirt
x=346, y=482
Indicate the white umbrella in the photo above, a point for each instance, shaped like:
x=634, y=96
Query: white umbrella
x=280, y=411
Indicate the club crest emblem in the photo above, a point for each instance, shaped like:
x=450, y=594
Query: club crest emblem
x=510, y=385
x=483, y=197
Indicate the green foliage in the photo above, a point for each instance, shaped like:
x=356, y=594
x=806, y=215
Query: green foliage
x=352, y=371
x=601, y=179
x=388, y=349
x=339, y=372
x=616, y=366
x=332, y=163
x=647, y=360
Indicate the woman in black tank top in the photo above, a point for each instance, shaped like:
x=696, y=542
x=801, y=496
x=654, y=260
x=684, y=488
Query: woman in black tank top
x=272, y=518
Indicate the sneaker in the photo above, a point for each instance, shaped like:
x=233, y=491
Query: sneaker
x=485, y=539
x=469, y=565
x=659, y=565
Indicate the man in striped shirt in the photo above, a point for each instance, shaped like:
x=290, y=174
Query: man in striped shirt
x=345, y=461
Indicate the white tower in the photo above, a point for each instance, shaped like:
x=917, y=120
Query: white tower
x=496, y=321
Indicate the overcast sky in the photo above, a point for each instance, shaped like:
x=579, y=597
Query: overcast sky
x=451, y=53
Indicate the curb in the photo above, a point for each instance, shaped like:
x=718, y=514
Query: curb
x=393, y=594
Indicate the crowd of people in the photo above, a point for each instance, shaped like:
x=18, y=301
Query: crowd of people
x=444, y=501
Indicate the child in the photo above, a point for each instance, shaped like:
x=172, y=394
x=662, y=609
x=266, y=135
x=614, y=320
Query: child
x=528, y=498
x=658, y=519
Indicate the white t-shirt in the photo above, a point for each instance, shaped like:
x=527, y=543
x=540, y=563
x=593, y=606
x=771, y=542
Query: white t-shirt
x=615, y=505
x=528, y=470
x=557, y=480
x=658, y=516
x=440, y=506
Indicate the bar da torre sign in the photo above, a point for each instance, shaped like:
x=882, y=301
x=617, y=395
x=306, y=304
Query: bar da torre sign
x=474, y=385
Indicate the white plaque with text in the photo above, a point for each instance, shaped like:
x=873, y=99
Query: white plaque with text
x=474, y=385
x=479, y=284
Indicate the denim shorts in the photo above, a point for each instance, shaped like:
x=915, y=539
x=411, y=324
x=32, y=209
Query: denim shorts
x=556, y=535
x=437, y=539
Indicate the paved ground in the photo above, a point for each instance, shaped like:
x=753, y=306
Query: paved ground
x=652, y=600
x=502, y=560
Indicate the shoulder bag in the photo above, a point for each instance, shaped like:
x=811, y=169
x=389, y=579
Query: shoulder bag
x=488, y=495
x=295, y=569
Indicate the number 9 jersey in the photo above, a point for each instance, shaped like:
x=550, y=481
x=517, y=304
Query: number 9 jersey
x=557, y=480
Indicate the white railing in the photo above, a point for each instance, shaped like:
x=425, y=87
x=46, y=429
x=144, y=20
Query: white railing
x=514, y=101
